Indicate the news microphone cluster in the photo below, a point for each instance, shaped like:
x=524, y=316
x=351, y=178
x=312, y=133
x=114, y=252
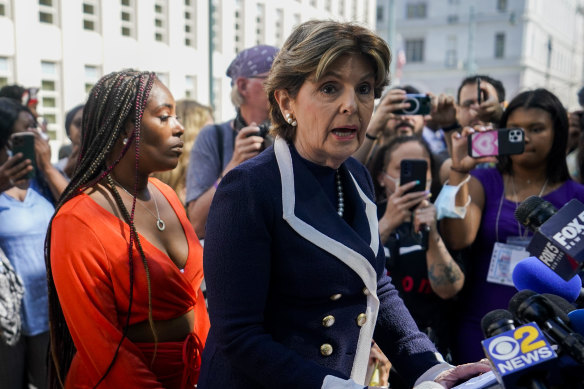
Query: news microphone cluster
x=558, y=239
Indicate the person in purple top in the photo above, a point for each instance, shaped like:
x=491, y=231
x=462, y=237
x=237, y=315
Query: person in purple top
x=491, y=196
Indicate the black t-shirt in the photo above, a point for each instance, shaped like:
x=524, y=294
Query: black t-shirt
x=406, y=264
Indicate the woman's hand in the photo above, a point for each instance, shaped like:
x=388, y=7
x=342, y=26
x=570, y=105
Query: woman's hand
x=13, y=171
x=425, y=215
x=392, y=101
x=449, y=378
x=461, y=161
x=42, y=152
x=443, y=111
x=399, y=205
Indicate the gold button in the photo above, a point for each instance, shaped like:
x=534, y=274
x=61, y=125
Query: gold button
x=328, y=321
x=361, y=319
x=326, y=349
x=335, y=297
x=366, y=291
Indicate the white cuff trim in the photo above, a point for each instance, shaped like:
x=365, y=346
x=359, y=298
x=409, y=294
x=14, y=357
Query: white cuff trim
x=332, y=382
x=433, y=372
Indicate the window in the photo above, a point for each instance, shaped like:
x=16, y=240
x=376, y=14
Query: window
x=279, y=27
x=380, y=12
x=91, y=15
x=414, y=50
x=452, y=19
x=416, y=11
x=191, y=87
x=49, y=97
x=341, y=8
x=238, y=31
x=128, y=18
x=5, y=8
x=161, y=21
x=190, y=30
x=313, y=3
x=451, y=60
x=327, y=5
x=499, y=45
x=501, y=5
x=260, y=28
x=5, y=71
x=92, y=75
x=48, y=12
x=216, y=26
x=353, y=9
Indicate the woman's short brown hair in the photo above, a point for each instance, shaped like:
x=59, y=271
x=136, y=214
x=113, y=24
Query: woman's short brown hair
x=312, y=48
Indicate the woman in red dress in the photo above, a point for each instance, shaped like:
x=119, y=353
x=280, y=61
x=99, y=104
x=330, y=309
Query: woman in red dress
x=123, y=261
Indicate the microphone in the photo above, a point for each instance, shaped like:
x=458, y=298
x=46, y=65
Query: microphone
x=557, y=239
x=527, y=306
x=521, y=357
x=577, y=320
x=533, y=274
x=496, y=322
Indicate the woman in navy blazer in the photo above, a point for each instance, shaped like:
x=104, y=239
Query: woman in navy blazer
x=293, y=262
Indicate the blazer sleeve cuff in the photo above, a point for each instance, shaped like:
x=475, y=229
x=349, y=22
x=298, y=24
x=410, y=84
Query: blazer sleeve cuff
x=432, y=373
x=332, y=382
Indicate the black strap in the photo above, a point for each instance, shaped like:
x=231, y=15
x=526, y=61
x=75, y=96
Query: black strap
x=219, y=133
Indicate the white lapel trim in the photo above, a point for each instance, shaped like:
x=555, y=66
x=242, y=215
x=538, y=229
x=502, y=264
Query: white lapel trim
x=348, y=256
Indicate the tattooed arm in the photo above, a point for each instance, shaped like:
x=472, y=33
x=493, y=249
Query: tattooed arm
x=446, y=277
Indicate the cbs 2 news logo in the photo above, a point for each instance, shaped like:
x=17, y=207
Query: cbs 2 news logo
x=518, y=349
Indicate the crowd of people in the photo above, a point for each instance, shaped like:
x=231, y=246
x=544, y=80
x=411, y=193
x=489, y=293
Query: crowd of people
x=283, y=248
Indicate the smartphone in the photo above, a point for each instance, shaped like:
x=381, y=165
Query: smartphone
x=23, y=142
x=479, y=92
x=412, y=170
x=504, y=141
x=420, y=104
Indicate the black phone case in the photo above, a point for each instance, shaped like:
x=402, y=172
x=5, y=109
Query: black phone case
x=505, y=141
x=24, y=143
x=412, y=170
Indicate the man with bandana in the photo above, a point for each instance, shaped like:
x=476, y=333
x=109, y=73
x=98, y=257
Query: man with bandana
x=219, y=148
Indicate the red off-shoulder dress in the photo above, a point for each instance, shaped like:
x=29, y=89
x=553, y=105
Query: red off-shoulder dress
x=89, y=260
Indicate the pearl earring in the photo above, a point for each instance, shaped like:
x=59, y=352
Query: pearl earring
x=291, y=120
x=125, y=141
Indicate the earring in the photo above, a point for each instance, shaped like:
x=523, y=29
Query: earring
x=291, y=120
x=125, y=141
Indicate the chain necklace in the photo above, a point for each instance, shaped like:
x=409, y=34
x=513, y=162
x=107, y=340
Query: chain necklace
x=341, y=197
x=516, y=205
x=159, y=222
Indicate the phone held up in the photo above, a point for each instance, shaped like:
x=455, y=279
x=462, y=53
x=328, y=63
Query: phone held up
x=413, y=170
x=420, y=104
x=23, y=142
x=504, y=141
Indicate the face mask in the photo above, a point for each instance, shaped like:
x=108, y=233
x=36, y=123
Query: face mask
x=394, y=180
x=445, y=202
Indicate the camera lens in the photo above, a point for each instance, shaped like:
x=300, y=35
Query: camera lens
x=414, y=107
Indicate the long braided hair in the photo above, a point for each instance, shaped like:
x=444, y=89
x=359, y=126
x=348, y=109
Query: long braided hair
x=115, y=99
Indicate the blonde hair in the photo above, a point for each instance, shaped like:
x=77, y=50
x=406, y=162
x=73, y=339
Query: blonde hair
x=193, y=116
x=312, y=48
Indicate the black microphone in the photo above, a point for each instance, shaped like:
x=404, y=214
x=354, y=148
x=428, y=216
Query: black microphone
x=528, y=306
x=517, y=363
x=496, y=322
x=558, y=234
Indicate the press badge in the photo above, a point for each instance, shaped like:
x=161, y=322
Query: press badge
x=503, y=260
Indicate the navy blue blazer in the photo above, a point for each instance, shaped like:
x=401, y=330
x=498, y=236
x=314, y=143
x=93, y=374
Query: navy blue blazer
x=296, y=293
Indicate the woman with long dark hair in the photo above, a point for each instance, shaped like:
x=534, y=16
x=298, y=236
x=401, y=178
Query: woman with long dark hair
x=491, y=196
x=124, y=264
